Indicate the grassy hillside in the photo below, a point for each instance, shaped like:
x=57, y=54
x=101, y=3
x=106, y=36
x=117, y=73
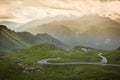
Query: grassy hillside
x=23, y=65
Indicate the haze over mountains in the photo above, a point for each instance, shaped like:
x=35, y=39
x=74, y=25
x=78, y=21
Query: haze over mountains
x=90, y=30
x=92, y=23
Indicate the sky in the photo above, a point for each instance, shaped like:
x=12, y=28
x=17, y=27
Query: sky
x=22, y=11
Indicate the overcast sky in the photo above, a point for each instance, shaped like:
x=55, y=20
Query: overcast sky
x=26, y=10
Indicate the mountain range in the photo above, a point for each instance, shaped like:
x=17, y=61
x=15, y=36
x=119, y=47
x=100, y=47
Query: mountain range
x=11, y=41
x=89, y=30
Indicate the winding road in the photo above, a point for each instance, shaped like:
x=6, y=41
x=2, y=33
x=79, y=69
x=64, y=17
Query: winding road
x=102, y=62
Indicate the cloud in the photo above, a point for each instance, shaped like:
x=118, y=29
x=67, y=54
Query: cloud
x=26, y=10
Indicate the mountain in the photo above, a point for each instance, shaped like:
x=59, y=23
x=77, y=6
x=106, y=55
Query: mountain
x=89, y=30
x=12, y=41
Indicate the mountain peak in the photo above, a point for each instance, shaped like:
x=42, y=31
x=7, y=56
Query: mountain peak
x=3, y=27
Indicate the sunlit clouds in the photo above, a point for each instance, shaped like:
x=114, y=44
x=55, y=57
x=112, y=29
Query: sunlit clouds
x=27, y=10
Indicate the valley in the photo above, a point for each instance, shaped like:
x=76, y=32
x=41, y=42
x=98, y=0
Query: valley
x=59, y=64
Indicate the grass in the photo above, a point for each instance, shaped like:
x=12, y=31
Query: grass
x=10, y=70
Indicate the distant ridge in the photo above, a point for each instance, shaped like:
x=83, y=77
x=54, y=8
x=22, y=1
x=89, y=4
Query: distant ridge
x=89, y=30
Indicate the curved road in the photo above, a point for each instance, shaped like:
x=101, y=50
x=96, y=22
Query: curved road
x=103, y=61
